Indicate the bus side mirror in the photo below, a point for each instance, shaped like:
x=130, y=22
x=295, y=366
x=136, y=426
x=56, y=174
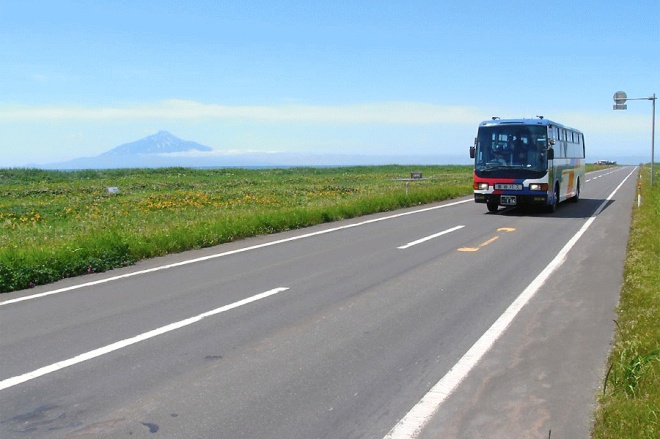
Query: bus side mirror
x=472, y=152
x=551, y=154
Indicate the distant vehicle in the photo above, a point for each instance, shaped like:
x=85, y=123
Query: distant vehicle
x=527, y=162
x=604, y=162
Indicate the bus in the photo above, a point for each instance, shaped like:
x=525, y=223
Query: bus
x=527, y=162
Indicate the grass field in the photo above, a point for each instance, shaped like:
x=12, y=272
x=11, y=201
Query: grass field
x=55, y=225
x=630, y=402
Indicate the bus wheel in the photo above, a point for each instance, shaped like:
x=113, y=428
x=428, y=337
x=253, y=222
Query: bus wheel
x=492, y=207
x=555, y=203
x=576, y=198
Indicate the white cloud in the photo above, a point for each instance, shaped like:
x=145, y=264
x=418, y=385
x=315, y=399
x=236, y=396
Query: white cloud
x=610, y=122
x=388, y=113
x=397, y=113
x=215, y=153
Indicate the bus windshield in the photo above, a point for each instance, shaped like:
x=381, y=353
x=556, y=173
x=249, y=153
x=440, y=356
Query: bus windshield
x=511, y=146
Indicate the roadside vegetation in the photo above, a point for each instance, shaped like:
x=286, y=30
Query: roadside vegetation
x=56, y=224
x=630, y=401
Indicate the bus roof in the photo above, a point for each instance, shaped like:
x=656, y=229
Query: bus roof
x=540, y=121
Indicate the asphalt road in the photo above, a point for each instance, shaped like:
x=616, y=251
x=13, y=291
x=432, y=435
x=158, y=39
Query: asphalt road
x=335, y=331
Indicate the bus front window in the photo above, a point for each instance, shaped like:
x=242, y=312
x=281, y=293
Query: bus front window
x=515, y=146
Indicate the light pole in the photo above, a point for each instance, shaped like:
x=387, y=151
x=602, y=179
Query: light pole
x=620, y=99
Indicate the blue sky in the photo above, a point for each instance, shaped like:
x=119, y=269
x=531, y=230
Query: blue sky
x=78, y=78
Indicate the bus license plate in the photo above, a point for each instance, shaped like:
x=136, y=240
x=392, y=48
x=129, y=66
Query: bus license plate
x=508, y=187
x=508, y=200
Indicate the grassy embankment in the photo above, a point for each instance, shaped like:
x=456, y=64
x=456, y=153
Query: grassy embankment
x=630, y=402
x=55, y=225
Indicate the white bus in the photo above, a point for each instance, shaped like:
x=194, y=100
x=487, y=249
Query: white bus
x=520, y=162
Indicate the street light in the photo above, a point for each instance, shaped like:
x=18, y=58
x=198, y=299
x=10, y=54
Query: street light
x=620, y=99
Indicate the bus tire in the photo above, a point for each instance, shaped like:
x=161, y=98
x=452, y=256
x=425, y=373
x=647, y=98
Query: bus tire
x=492, y=207
x=552, y=208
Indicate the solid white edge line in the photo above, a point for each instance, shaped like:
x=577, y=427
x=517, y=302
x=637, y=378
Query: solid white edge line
x=10, y=382
x=428, y=238
x=219, y=255
x=416, y=419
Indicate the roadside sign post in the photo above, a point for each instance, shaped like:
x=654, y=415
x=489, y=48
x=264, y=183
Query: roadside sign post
x=620, y=99
x=414, y=176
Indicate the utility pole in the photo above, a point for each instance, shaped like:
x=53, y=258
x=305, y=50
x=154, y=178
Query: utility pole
x=620, y=99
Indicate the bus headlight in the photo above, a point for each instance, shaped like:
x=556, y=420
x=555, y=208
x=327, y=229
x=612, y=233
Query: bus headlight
x=538, y=187
x=480, y=186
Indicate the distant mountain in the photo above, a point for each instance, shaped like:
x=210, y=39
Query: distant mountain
x=160, y=143
x=159, y=150
x=163, y=150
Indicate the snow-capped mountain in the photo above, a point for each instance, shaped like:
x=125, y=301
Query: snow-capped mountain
x=159, y=143
x=166, y=150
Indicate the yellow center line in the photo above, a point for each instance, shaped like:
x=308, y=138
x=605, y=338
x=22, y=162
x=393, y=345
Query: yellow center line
x=490, y=241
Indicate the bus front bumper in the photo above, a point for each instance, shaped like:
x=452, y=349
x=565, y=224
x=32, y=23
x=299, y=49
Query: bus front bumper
x=512, y=199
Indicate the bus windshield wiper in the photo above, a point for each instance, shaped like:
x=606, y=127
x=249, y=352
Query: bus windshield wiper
x=493, y=167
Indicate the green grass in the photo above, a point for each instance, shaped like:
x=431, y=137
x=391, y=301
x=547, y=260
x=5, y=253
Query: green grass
x=55, y=225
x=629, y=406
